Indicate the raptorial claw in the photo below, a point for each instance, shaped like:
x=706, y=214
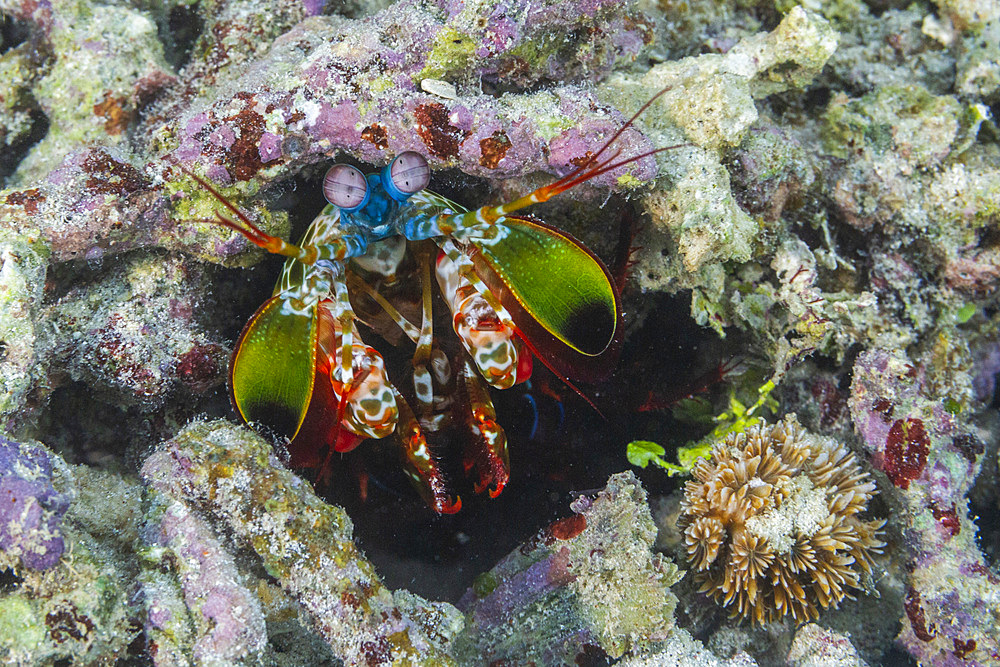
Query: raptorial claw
x=448, y=506
x=493, y=471
x=420, y=465
x=487, y=452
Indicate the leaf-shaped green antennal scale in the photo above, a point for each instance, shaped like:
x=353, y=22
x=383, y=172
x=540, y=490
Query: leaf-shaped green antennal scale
x=561, y=296
x=273, y=370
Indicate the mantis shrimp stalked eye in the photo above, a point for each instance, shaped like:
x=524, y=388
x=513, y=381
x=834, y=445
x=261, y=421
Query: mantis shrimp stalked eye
x=345, y=187
x=516, y=288
x=407, y=174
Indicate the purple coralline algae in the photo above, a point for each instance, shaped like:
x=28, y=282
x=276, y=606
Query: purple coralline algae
x=30, y=508
x=305, y=544
x=587, y=586
x=227, y=620
x=932, y=456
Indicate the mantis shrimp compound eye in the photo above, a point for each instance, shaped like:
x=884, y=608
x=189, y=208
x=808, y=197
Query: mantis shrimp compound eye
x=345, y=187
x=405, y=175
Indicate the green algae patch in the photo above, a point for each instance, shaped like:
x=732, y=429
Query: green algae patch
x=24, y=261
x=921, y=127
x=194, y=211
x=451, y=53
x=21, y=629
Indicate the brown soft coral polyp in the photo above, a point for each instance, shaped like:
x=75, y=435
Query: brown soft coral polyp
x=771, y=523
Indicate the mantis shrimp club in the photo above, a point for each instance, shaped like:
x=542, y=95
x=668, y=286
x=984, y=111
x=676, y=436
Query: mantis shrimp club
x=516, y=288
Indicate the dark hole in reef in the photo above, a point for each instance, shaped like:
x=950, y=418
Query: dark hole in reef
x=991, y=129
x=14, y=153
x=296, y=645
x=989, y=237
x=184, y=25
x=982, y=511
x=851, y=243
x=985, y=493
x=592, y=655
x=879, y=7
x=12, y=32
x=897, y=657
x=9, y=581
x=816, y=98
x=559, y=448
x=789, y=102
x=136, y=654
x=100, y=429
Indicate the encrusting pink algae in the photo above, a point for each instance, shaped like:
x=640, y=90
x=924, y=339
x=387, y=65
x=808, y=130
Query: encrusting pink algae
x=823, y=234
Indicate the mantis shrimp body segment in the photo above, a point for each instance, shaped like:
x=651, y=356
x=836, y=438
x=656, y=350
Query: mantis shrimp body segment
x=516, y=288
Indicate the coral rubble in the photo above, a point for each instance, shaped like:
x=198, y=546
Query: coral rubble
x=588, y=584
x=829, y=213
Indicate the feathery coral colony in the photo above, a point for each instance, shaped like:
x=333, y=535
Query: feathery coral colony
x=809, y=284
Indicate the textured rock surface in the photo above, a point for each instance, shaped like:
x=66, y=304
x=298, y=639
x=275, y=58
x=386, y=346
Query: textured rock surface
x=304, y=543
x=932, y=456
x=30, y=508
x=829, y=216
x=588, y=585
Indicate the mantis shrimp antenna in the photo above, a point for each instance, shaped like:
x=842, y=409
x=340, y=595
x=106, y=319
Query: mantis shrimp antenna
x=245, y=227
x=596, y=165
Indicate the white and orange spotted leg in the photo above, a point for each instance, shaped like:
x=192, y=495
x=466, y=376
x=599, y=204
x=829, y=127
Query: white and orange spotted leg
x=485, y=329
x=366, y=397
x=418, y=460
x=486, y=453
x=345, y=327
x=420, y=465
x=423, y=385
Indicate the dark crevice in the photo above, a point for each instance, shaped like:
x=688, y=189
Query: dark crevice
x=11, y=156
x=12, y=33
x=184, y=24
x=9, y=581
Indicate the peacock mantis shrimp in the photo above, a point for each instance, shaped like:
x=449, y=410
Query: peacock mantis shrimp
x=516, y=288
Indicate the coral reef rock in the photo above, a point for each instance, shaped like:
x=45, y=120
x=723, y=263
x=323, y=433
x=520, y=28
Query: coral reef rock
x=932, y=456
x=30, y=507
x=587, y=587
x=305, y=544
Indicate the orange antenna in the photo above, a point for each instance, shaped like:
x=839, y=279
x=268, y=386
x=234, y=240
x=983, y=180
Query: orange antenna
x=253, y=233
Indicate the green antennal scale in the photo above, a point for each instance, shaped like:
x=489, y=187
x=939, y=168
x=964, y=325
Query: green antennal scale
x=515, y=286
